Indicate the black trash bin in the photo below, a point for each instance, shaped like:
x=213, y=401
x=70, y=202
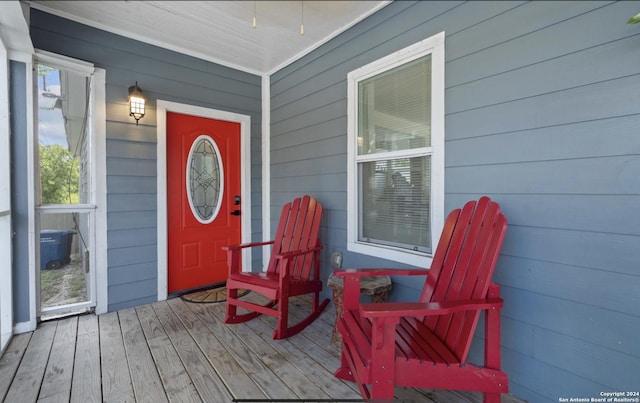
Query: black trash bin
x=55, y=248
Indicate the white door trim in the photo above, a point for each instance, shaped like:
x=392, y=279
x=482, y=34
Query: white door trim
x=162, y=108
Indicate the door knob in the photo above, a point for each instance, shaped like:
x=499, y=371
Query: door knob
x=235, y=212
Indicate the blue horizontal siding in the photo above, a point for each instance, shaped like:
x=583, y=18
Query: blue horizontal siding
x=541, y=113
x=590, y=323
x=124, y=131
x=129, y=255
x=131, y=202
x=131, y=149
x=602, y=100
x=132, y=237
x=615, y=175
x=572, y=283
x=587, y=360
x=561, y=142
x=543, y=383
x=131, y=184
x=132, y=220
x=578, y=248
x=134, y=273
x=119, y=166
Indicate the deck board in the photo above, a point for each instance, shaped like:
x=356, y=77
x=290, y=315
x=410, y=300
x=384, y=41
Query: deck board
x=306, y=364
x=202, y=374
x=30, y=373
x=276, y=362
x=145, y=379
x=116, y=380
x=175, y=379
x=87, y=383
x=230, y=371
x=57, y=377
x=176, y=351
x=10, y=360
x=272, y=386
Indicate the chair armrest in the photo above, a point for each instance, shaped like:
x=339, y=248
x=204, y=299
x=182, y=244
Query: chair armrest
x=413, y=309
x=352, y=277
x=246, y=245
x=365, y=272
x=233, y=254
x=290, y=254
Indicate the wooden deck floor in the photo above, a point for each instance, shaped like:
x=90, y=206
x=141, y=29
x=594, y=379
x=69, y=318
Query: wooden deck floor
x=180, y=352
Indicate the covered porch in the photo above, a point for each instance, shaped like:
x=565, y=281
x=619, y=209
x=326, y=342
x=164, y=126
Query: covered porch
x=182, y=352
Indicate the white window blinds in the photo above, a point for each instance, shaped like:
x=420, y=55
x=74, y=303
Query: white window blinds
x=393, y=158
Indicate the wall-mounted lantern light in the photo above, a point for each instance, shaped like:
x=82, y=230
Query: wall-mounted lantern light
x=136, y=102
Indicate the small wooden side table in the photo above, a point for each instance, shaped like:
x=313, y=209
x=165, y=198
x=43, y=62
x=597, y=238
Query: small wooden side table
x=377, y=287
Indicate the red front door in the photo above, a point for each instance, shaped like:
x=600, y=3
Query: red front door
x=203, y=198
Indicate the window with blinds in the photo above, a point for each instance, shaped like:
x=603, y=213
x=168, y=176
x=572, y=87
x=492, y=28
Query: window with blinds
x=394, y=117
x=391, y=126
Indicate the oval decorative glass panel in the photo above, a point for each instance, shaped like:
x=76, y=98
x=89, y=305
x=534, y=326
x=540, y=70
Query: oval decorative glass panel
x=205, y=179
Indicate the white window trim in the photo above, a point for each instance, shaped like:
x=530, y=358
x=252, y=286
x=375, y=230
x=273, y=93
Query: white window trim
x=433, y=45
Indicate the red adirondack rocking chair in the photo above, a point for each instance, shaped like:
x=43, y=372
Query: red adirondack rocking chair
x=425, y=344
x=294, y=269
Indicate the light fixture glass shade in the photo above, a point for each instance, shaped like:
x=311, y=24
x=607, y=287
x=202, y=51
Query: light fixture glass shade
x=136, y=102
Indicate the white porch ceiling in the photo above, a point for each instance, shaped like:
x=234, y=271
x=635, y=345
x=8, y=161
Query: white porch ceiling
x=221, y=31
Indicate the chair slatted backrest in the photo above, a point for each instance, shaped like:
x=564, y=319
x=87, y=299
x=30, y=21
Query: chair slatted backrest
x=462, y=268
x=298, y=229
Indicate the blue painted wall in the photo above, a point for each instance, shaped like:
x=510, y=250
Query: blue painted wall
x=19, y=188
x=542, y=109
x=131, y=149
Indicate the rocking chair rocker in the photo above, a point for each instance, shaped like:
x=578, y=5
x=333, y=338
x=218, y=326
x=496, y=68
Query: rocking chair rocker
x=425, y=344
x=294, y=269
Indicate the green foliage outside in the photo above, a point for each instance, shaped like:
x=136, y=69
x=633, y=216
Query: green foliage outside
x=59, y=173
x=634, y=20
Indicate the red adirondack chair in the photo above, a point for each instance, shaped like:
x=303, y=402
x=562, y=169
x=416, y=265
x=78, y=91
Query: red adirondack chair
x=294, y=269
x=425, y=344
